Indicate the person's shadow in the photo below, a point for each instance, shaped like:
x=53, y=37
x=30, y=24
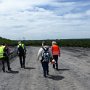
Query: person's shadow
x=13, y=72
x=56, y=77
x=29, y=68
x=63, y=69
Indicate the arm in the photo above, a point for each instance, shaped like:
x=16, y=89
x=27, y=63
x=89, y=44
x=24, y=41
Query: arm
x=39, y=53
x=25, y=49
x=16, y=49
x=51, y=56
x=50, y=50
x=59, y=51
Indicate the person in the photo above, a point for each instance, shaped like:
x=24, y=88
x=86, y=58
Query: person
x=55, y=49
x=21, y=53
x=4, y=56
x=44, y=55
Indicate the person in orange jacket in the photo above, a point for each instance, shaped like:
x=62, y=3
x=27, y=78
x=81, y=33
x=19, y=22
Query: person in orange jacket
x=55, y=49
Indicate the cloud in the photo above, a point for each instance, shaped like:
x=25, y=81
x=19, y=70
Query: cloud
x=71, y=0
x=36, y=19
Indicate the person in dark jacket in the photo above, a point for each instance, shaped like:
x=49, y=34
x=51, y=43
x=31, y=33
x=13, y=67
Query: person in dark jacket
x=21, y=53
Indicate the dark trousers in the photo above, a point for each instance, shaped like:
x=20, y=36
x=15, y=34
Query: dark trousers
x=55, y=57
x=22, y=60
x=6, y=59
x=45, y=67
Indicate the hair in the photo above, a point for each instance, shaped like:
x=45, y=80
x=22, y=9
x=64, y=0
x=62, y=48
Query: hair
x=44, y=43
x=54, y=42
x=2, y=43
x=19, y=42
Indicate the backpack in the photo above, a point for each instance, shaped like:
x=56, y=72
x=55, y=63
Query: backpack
x=45, y=55
x=20, y=49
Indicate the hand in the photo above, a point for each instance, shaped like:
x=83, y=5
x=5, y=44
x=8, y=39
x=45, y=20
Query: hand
x=18, y=54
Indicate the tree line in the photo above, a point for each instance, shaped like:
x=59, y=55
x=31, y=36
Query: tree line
x=60, y=42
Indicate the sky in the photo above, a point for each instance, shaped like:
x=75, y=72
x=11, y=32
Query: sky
x=44, y=19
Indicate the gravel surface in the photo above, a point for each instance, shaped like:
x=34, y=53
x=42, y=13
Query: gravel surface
x=73, y=73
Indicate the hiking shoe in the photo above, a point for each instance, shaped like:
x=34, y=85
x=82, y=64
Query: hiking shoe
x=47, y=73
x=45, y=76
x=21, y=66
x=53, y=67
x=3, y=69
x=56, y=68
x=9, y=69
x=24, y=67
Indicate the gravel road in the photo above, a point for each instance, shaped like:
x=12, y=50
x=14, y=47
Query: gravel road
x=73, y=73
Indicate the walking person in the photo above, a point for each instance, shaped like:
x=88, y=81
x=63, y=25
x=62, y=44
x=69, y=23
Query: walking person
x=44, y=55
x=4, y=56
x=21, y=53
x=55, y=49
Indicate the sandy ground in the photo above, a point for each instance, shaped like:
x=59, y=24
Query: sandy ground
x=73, y=73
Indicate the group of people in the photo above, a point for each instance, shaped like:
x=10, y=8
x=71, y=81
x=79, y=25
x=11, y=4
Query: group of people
x=5, y=55
x=46, y=54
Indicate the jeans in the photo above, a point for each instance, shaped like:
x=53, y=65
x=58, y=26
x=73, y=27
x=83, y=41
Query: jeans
x=5, y=59
x=45, y=67
x=22, y=60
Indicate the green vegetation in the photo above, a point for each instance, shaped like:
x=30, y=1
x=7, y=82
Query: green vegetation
x=61, y=42
x=7, y=41
x=75, y=42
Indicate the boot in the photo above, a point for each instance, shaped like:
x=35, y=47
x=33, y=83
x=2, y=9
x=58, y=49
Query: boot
x=3, y=69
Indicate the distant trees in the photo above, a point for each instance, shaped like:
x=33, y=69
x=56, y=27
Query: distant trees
x=60, y=42
x=75, y=42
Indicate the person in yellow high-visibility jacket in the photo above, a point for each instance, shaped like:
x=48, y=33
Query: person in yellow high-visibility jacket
x=4, y=57
x=21, y=53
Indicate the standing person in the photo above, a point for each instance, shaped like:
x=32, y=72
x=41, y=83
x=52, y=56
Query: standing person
x=4, y=56
x=55, y=49
x=44, y=56
x=21, y=53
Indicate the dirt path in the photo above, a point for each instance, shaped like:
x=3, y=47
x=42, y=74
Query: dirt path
x=73, y=74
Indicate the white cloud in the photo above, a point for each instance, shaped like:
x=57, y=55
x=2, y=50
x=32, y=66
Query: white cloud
x=24, y=18
x=17, y=4
x=88, y=12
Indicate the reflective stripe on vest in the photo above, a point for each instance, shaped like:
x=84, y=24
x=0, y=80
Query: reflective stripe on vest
x=55, y=50
x=2, y=51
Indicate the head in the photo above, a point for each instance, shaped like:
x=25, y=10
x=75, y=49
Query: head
x=54, y=43
x=2, y=44
x=44, y=43
x=19, y=42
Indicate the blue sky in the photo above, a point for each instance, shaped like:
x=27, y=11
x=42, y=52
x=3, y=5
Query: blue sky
x=44, y=19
